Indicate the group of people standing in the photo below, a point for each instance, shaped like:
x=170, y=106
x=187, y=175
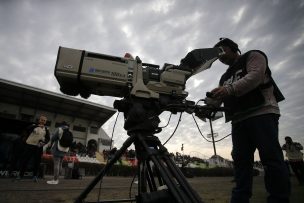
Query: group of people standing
x=35, y=137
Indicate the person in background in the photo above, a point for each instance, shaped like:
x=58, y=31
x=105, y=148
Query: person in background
x=295, y=158
x=36, y=136
x=59, y=149
x=249, y=92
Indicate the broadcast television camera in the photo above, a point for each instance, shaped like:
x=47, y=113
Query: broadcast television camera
x=147, y=90
x=85, y=73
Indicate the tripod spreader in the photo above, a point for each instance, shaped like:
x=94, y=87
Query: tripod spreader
x=159, y=179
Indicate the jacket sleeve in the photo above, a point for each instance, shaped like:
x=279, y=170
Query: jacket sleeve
x=256, y=66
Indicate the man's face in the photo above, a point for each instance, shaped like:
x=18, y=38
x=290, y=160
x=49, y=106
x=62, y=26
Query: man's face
x=229, y=57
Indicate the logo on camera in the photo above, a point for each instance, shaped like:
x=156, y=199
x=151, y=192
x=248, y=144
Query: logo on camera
x=68, y=66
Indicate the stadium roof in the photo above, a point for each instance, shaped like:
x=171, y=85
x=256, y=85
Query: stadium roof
x=27, y=96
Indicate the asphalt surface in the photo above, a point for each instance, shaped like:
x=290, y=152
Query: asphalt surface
x=210, y=189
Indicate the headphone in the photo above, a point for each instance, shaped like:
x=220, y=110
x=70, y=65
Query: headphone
x=229, y=43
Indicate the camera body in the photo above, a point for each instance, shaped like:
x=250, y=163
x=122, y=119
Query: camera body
x=85, y=73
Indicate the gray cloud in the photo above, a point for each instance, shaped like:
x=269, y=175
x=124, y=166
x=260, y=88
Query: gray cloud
x=158, y=31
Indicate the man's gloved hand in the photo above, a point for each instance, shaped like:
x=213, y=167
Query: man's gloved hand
x=219, y=93
x=211, y=100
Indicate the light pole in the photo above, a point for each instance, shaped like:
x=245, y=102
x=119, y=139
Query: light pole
x=182, y=149
x=216, y=116
x=212, y=136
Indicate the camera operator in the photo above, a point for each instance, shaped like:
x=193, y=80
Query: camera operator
x=248, y=90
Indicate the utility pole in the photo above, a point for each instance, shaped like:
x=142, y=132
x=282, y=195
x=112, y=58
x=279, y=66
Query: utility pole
x=182, y=149
x=212, y=135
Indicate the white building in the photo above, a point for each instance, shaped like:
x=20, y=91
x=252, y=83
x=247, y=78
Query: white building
x=20, y=103
x=216, y=160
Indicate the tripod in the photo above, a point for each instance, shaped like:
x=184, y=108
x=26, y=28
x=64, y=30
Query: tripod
x=159, y=179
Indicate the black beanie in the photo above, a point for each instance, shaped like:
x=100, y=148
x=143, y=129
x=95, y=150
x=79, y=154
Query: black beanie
x=229, y=43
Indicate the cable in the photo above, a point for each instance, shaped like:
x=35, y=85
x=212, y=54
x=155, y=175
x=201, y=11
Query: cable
x=113, y=130
x=204, y=136
x=99, y=191
x=130, y=189
x=168, y=122
x=175, y=128
x=200, y=129
x=222, y=138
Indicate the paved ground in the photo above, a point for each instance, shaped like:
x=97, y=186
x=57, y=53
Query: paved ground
x=211, y=189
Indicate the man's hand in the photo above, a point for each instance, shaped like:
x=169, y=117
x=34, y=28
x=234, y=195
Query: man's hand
x=219, y=93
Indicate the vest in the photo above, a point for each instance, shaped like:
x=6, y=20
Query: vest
x=251, y=100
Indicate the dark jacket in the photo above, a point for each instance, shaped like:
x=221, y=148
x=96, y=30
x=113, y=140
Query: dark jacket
x=251, y=97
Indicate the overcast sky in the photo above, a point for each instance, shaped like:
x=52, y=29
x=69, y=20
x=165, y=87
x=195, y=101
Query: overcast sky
x=160, y=31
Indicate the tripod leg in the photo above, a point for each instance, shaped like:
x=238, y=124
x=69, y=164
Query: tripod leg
x=150, y=177
x=181, y=179
x=160, y=180
x=146, y=177
x=103, y=172
x=142, y=185
x=170, y=174
x=169, y=180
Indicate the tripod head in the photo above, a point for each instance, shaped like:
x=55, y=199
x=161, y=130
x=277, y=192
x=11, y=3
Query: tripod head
x=143, y=114
x=140, y=114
